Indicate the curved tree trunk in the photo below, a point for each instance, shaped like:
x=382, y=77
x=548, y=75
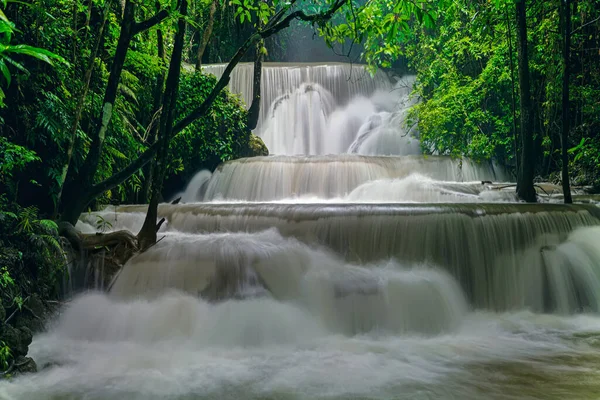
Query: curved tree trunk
x=156, y=110
x=147, y=235
x=82, y=190
x=80, y=103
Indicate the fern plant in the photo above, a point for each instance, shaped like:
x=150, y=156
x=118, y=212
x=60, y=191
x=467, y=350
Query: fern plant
x=8, y=51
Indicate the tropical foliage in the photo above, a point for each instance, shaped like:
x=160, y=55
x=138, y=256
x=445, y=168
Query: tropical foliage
x=467, y=72
x=99, y=104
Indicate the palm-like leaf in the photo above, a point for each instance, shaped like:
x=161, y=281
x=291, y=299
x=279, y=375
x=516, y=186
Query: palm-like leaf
x=5, y=71
x=40, y=54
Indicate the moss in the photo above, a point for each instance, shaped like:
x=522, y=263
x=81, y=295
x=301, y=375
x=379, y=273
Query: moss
x=256, y=147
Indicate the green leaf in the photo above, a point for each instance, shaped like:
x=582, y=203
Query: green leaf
x=5, y=71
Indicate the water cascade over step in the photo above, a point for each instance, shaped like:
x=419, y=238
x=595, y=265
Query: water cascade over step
x=481, y=245
x=348, y=299
x=343, y=81
x=328, y=109
x=280, y=177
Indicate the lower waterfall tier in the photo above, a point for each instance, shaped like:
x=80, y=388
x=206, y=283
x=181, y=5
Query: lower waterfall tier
x=505, y=256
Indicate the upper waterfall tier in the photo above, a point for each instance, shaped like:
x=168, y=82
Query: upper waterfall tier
x=343, y=81
x=328, y=108
x=284, y=177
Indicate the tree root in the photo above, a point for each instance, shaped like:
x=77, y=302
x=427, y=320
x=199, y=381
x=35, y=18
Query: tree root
x=105, y=252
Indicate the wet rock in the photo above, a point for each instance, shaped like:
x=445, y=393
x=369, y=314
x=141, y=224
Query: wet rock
x=26, y=338
x=24, y=365
x=256, y=147
x=18, y=340
x=31, y=322
x=36, y=306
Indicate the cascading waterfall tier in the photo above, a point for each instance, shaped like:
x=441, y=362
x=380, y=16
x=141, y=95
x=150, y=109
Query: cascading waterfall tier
x=481, y=245
x=328, y=109
x=343, y=81
x=347, y=298
x=280, y=177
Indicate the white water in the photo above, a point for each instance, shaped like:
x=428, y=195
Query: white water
x=313, y=109
x=348, y=276
x=179, y=347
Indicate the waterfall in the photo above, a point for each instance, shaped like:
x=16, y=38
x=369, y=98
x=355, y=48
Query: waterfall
x=345, y=81
x=326, y=109
x=280, y=177
x=245, y=266
x=480, y=245
x=347, y=266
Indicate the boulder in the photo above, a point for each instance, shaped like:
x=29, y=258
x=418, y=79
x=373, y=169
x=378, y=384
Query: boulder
x=36, y=306
x=18, y=340
x=24, y=365
x=256, y=147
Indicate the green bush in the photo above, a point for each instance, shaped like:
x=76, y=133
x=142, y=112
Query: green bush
x=220, y=136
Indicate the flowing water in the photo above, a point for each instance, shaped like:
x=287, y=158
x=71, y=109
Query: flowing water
x=347, y=267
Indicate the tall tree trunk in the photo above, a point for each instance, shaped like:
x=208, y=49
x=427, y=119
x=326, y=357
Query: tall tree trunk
x=254, y=111
x=206, y=35
x=156, y=110
x=525, y=189
x=147, y=235
x=512, y=91
x=566, y=16
x=80, y=103
x=81, y=189
x=81, y=186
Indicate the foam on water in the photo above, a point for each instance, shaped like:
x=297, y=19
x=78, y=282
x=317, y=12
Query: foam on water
x=277, y=177
x=348, y=298
x=261, y=348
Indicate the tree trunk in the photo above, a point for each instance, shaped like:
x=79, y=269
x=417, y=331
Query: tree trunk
x=85, y=179
x=156, y=110
x=566, y=16
x=147, y=235
x=80, y=103
x=512, y=91
x=525, y=189
x=83, y=184
x=206, y=35
x=254, y=111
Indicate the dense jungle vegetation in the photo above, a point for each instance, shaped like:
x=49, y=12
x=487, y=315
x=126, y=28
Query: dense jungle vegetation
x=103, y=101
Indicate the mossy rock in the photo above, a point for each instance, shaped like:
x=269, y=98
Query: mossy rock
x=17, y=339
x=25, y=365
x=26, y=320
x=256, y=147
x=35, y=304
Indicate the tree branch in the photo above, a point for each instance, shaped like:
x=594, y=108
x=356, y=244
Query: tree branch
x=279, y=14
x=271, y=29
x=584, y=25
x=150, y=22
x=125, y=173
